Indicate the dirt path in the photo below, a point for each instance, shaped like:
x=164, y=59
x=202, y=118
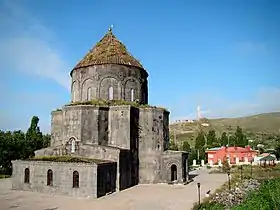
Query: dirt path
x=141, y=197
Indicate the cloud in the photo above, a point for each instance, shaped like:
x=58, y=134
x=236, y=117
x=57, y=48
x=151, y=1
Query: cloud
x=28, y=46
x=215, y=105
x=251, y=48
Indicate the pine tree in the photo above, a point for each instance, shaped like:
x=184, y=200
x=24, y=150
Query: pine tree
x=211, y=138
x=34, y=137
x=240, y=138
x=186, y=146
x=224, y=139
x=200, y=141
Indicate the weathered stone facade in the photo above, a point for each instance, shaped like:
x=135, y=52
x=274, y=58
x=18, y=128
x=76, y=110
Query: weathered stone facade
x=132, y=139
x=126, y=82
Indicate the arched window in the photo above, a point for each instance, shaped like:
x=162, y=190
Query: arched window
x=73, y=145
x=132, y=94
x=75, y=179
x=74, y=96
x=75, y=91
x=49, y=177
x=111, y=93
x=89, y=94
x=26, y=175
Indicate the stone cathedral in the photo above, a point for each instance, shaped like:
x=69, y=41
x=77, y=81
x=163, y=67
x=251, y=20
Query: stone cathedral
x=108, y=138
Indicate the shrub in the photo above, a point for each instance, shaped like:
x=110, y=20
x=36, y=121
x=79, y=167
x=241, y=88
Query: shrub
x=267, y=198
x=208, y=205
x=226, y=166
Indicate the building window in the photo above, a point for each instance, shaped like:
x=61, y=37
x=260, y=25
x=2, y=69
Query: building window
x=49, y=177
x=88, y=94
x=75, y=179
x=26, y=175
x=111, y=93
x=73, y=145
x=158, y=147
x=132, y=94
x=75, y=91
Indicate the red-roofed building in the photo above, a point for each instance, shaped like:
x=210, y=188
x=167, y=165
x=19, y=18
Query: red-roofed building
x=236, y=155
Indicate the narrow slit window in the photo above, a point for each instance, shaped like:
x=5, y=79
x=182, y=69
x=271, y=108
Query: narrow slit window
x=26, y=175
x=49, y=177
x=73, y=145
x=132, y=94
x=111, y=93
x=88, y=94
x=75, y=179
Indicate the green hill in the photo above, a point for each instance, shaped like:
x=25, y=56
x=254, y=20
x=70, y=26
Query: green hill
x=258, y=128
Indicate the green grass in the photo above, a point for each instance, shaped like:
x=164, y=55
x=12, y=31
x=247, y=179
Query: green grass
x=4, y=176
x=67, y=159
x=107, y=103
x=266, y=198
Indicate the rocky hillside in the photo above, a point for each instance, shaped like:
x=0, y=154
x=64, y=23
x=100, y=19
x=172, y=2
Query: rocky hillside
x=257, y=127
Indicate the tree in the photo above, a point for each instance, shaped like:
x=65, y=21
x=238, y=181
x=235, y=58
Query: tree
x=192, y=156
x=186, y=146
x=18, y=145
x=211, y=138
x=240, y=138
x=224, y=139
x=277, y=147
x=232, y=140
x=34, y=137
x=225, y=164
x=173, y=146
x=200, y=141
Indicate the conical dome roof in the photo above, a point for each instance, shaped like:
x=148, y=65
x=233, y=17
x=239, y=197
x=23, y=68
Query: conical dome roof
x=109, y=50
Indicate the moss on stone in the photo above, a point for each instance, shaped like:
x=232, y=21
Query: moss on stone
x=114, y=103
x=109, y=50
x=69, y=159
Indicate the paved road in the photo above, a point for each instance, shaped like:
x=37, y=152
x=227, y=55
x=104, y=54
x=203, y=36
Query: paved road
x=141, y=197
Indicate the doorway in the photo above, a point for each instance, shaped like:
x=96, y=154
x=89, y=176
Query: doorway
x=173, y=172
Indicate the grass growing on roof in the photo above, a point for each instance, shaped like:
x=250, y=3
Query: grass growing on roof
x=113, y=103
x=109, y=50
x=4, y=176
x=68, y=159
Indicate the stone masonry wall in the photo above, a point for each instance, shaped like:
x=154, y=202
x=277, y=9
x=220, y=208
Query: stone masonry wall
x=152, y=136
x=95, y=125
x=62, y=178
x=83, y=122
x=103, y=153
x=56, y=128
x=72, y=122
x=94, y=83
x=177, y=158
x=119, y=126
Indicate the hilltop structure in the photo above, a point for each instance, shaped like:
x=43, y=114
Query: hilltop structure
x=108, y=138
